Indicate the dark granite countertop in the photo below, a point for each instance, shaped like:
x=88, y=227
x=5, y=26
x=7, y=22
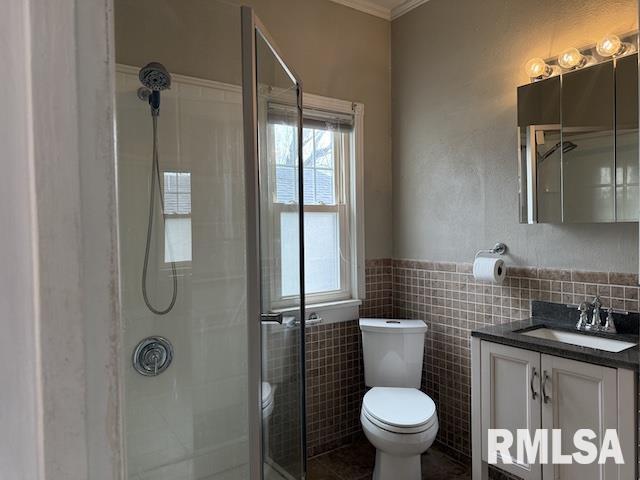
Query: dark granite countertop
x=559, y=318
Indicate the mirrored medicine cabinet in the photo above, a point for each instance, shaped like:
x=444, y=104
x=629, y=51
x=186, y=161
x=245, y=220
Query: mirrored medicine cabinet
x=578, y=145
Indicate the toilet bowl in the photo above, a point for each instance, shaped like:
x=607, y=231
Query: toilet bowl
x=399, y=420
x=267, y=400
x=267, y=409
x=401, y=423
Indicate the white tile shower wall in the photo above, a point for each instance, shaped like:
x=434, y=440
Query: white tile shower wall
x=190, y=422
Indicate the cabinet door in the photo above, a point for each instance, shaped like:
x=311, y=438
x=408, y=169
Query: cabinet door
x=578, y=395
x=510, y=394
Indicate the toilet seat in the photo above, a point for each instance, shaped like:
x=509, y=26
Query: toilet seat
x=399, y=410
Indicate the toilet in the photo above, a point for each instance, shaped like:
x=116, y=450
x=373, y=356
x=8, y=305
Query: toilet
x=267, y=400
x=398, y=419
x=267, y=409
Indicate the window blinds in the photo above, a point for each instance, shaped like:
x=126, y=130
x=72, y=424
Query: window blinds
x=312, y=118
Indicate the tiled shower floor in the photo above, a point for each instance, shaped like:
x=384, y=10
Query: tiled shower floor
x=355, y=462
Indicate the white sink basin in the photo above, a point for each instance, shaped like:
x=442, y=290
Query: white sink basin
x=599, y=343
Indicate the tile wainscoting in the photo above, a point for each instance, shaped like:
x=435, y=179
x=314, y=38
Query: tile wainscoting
x=452, y=302
x=281, y=369
x=335, y=385
x=335, y=374
x=379, y=289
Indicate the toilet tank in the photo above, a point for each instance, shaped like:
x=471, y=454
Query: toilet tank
x=393, y=351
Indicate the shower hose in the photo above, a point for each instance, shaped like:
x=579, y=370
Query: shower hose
x=155, y=177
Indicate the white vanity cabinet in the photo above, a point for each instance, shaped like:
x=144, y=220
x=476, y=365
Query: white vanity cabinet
x=514, y=388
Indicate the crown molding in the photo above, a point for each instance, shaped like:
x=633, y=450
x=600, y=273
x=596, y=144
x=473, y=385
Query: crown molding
x=367, y=7
x=405, y=7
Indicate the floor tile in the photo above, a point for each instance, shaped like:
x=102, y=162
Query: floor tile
x=356, y=461
x=438, y=466
x=318, y=470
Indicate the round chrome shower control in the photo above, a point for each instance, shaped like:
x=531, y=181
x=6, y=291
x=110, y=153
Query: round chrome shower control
x=152, y=356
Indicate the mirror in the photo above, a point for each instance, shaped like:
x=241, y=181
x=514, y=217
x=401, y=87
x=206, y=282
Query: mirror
x=627, y=184
x=578, y=145
x=588, y=155
x=539, y=132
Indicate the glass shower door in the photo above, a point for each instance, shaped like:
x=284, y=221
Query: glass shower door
x=208, y=188
x=273, y=126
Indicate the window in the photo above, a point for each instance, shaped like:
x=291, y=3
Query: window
x=177, y=217
x=330, y=188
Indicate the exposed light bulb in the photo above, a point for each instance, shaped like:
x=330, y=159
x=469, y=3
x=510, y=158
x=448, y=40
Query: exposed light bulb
x=537, y=68
x=571, y=58
x=612, y=46
x=609, y=46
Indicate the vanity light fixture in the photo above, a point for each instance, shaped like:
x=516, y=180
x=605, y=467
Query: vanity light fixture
x=538, y=68
x=572, y=59
x=612, y=46
x=609, y=47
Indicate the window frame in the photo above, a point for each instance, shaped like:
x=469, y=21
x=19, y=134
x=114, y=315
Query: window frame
x=348, y=179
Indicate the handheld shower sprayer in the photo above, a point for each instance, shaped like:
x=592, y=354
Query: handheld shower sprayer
x=155, y=78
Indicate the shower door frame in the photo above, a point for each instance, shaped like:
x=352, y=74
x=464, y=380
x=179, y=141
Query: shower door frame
x=251, y=27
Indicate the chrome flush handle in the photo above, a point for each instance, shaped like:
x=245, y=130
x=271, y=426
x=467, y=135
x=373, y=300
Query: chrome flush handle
x=534, y=374
x=271, y=317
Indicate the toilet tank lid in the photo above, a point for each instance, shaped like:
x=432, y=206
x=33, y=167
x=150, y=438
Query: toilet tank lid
x=390, y=325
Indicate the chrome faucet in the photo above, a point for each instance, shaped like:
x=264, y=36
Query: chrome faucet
x=584, y=318
x=594, y=324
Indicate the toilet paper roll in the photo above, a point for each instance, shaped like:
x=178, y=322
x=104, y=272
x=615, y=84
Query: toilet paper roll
x=489, y=269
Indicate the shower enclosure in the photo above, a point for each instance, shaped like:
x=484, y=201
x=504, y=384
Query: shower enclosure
x=210, y=244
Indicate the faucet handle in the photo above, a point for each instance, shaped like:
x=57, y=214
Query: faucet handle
x=584, y=319
x=609, y=324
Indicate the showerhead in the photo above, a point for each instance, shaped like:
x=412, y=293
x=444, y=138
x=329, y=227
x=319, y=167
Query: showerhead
x=155, y=77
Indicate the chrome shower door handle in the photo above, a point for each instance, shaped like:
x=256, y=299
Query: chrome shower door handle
x=534, y=374
x=271, y=317
x=546, y=398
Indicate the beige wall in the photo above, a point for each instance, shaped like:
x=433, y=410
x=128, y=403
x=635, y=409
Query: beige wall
x=338, y=52
x=455, y=69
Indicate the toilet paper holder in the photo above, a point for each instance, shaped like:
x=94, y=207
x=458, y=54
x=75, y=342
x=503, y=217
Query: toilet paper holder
x=498, y=249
